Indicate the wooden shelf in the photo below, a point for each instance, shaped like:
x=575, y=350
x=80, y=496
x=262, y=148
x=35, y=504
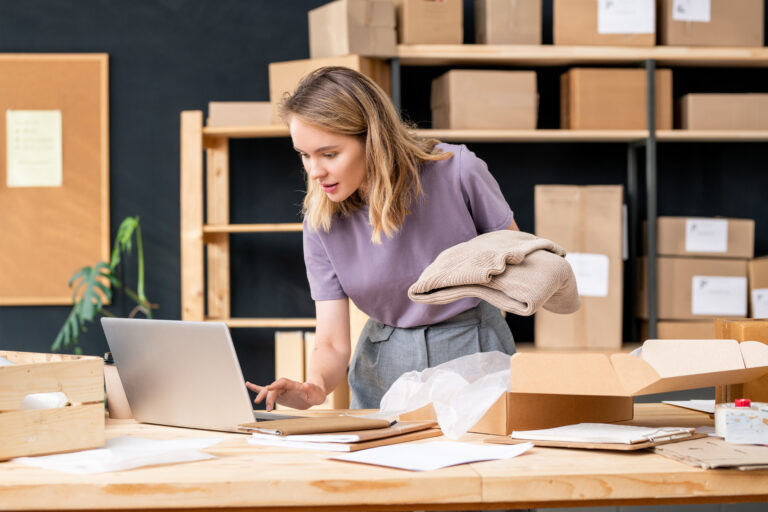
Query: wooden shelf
x=535, y=135
x=552, y=55
x=245, y=132
x=267, y=323
x=253, y=228
x=712, y=136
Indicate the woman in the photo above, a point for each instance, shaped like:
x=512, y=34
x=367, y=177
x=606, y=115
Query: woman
x=381, y=204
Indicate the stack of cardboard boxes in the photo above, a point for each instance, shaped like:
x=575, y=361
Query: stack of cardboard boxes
x=701, y=274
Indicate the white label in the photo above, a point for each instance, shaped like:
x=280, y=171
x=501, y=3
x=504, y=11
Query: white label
x=625, y=16
x=706, y=235
x=718, y=295
x=760, y=303
x=34, y=148
x=691, y=10
x=591, y=271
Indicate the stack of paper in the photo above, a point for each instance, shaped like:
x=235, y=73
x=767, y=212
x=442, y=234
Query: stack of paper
x=351, y=441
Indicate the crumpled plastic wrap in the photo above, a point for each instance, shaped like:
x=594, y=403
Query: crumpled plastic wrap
x=461, y=390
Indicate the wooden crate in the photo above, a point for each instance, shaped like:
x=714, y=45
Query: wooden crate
x=77, y=426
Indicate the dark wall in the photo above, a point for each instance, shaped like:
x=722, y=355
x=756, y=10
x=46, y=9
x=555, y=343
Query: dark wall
x=172, y=55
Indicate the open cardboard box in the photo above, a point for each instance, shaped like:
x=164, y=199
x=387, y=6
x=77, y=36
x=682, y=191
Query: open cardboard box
x=555, y=389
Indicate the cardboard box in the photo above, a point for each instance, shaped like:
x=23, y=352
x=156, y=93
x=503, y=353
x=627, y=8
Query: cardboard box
x=612, y=99
x=708, y=237
x=587, y=222
x=285, y=76
x=430, y=21
x=77, y=426
x=587, y=22
x=362, y=27
x=730, y=23
x=696, y=288
x=758, y=287
x=554, y=389
x=508, y=21
x=681, y=330
x=485, y=100
x=239, y=113
x=743, y=330
x=724, y=112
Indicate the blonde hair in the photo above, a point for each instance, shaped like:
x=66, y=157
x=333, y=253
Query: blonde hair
x=343, y=101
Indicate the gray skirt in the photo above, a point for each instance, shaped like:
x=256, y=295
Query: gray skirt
x=385, y=352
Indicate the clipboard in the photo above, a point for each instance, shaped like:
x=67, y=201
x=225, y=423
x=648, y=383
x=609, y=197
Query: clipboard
x=596, y=446
x=313, y=425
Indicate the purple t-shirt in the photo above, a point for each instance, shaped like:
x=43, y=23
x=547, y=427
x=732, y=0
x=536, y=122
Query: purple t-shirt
x=461, y=200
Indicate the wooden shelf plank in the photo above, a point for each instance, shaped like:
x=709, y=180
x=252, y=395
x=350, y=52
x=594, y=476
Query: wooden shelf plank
x=552, y=55
x=267, y=323
x=253, y=228
x=535, y=135
x=712, y=135
x=245, y=132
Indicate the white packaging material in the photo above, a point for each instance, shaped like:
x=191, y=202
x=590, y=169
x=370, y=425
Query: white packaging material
x=760, y=303
x=591, y=271
x=706, y=235
x=461, y=390
x=52, y=400
x=719, y=295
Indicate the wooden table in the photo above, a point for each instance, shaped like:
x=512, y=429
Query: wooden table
x=249, y=477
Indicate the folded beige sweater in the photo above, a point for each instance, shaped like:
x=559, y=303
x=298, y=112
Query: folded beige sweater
x=515, y=271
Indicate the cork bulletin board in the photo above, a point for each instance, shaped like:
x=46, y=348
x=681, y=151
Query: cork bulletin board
x=54, y=173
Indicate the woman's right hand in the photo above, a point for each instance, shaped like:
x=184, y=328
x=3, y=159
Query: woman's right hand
x=287, y=392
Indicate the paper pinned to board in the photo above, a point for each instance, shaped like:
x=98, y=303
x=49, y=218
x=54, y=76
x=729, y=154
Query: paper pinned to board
x=125, y=452
x=626, y=17
x=433, y=455
x=692, y=10
x=34, y=147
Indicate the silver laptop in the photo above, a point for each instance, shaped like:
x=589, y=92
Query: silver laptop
x=181, y=373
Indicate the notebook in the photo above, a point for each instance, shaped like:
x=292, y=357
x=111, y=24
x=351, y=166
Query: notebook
x=179, y=373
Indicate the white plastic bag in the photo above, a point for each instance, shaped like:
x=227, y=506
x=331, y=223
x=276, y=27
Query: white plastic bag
x=461, y=390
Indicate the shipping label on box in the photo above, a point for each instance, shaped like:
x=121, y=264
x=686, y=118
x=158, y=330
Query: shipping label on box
x=719, y=296
x=760, y=303
x=592, y=272
x=692, y=10
x=625, y=16
x=706, y=235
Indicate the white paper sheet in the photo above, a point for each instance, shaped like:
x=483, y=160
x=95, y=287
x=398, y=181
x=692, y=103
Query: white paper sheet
x=719, y=295
x=433, y=455
x=591, y=271
x=126, y=452
x=706, y=235
x=760, y=303
x=34, y=143
x=707, y=406
x=601, y=433
x=692, y=10
x=625, y=16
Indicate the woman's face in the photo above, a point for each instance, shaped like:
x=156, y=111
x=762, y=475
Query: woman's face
x=336, y=162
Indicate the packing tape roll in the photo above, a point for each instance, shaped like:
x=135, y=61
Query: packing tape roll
x=723, y=411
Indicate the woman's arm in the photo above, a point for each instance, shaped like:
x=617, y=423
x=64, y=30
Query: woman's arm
x=513, y=226
x=328, y=361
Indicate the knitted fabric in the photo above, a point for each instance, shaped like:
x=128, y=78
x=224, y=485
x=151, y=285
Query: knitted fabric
x=515, y=271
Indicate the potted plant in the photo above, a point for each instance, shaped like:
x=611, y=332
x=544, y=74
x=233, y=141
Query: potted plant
x=92, y=289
